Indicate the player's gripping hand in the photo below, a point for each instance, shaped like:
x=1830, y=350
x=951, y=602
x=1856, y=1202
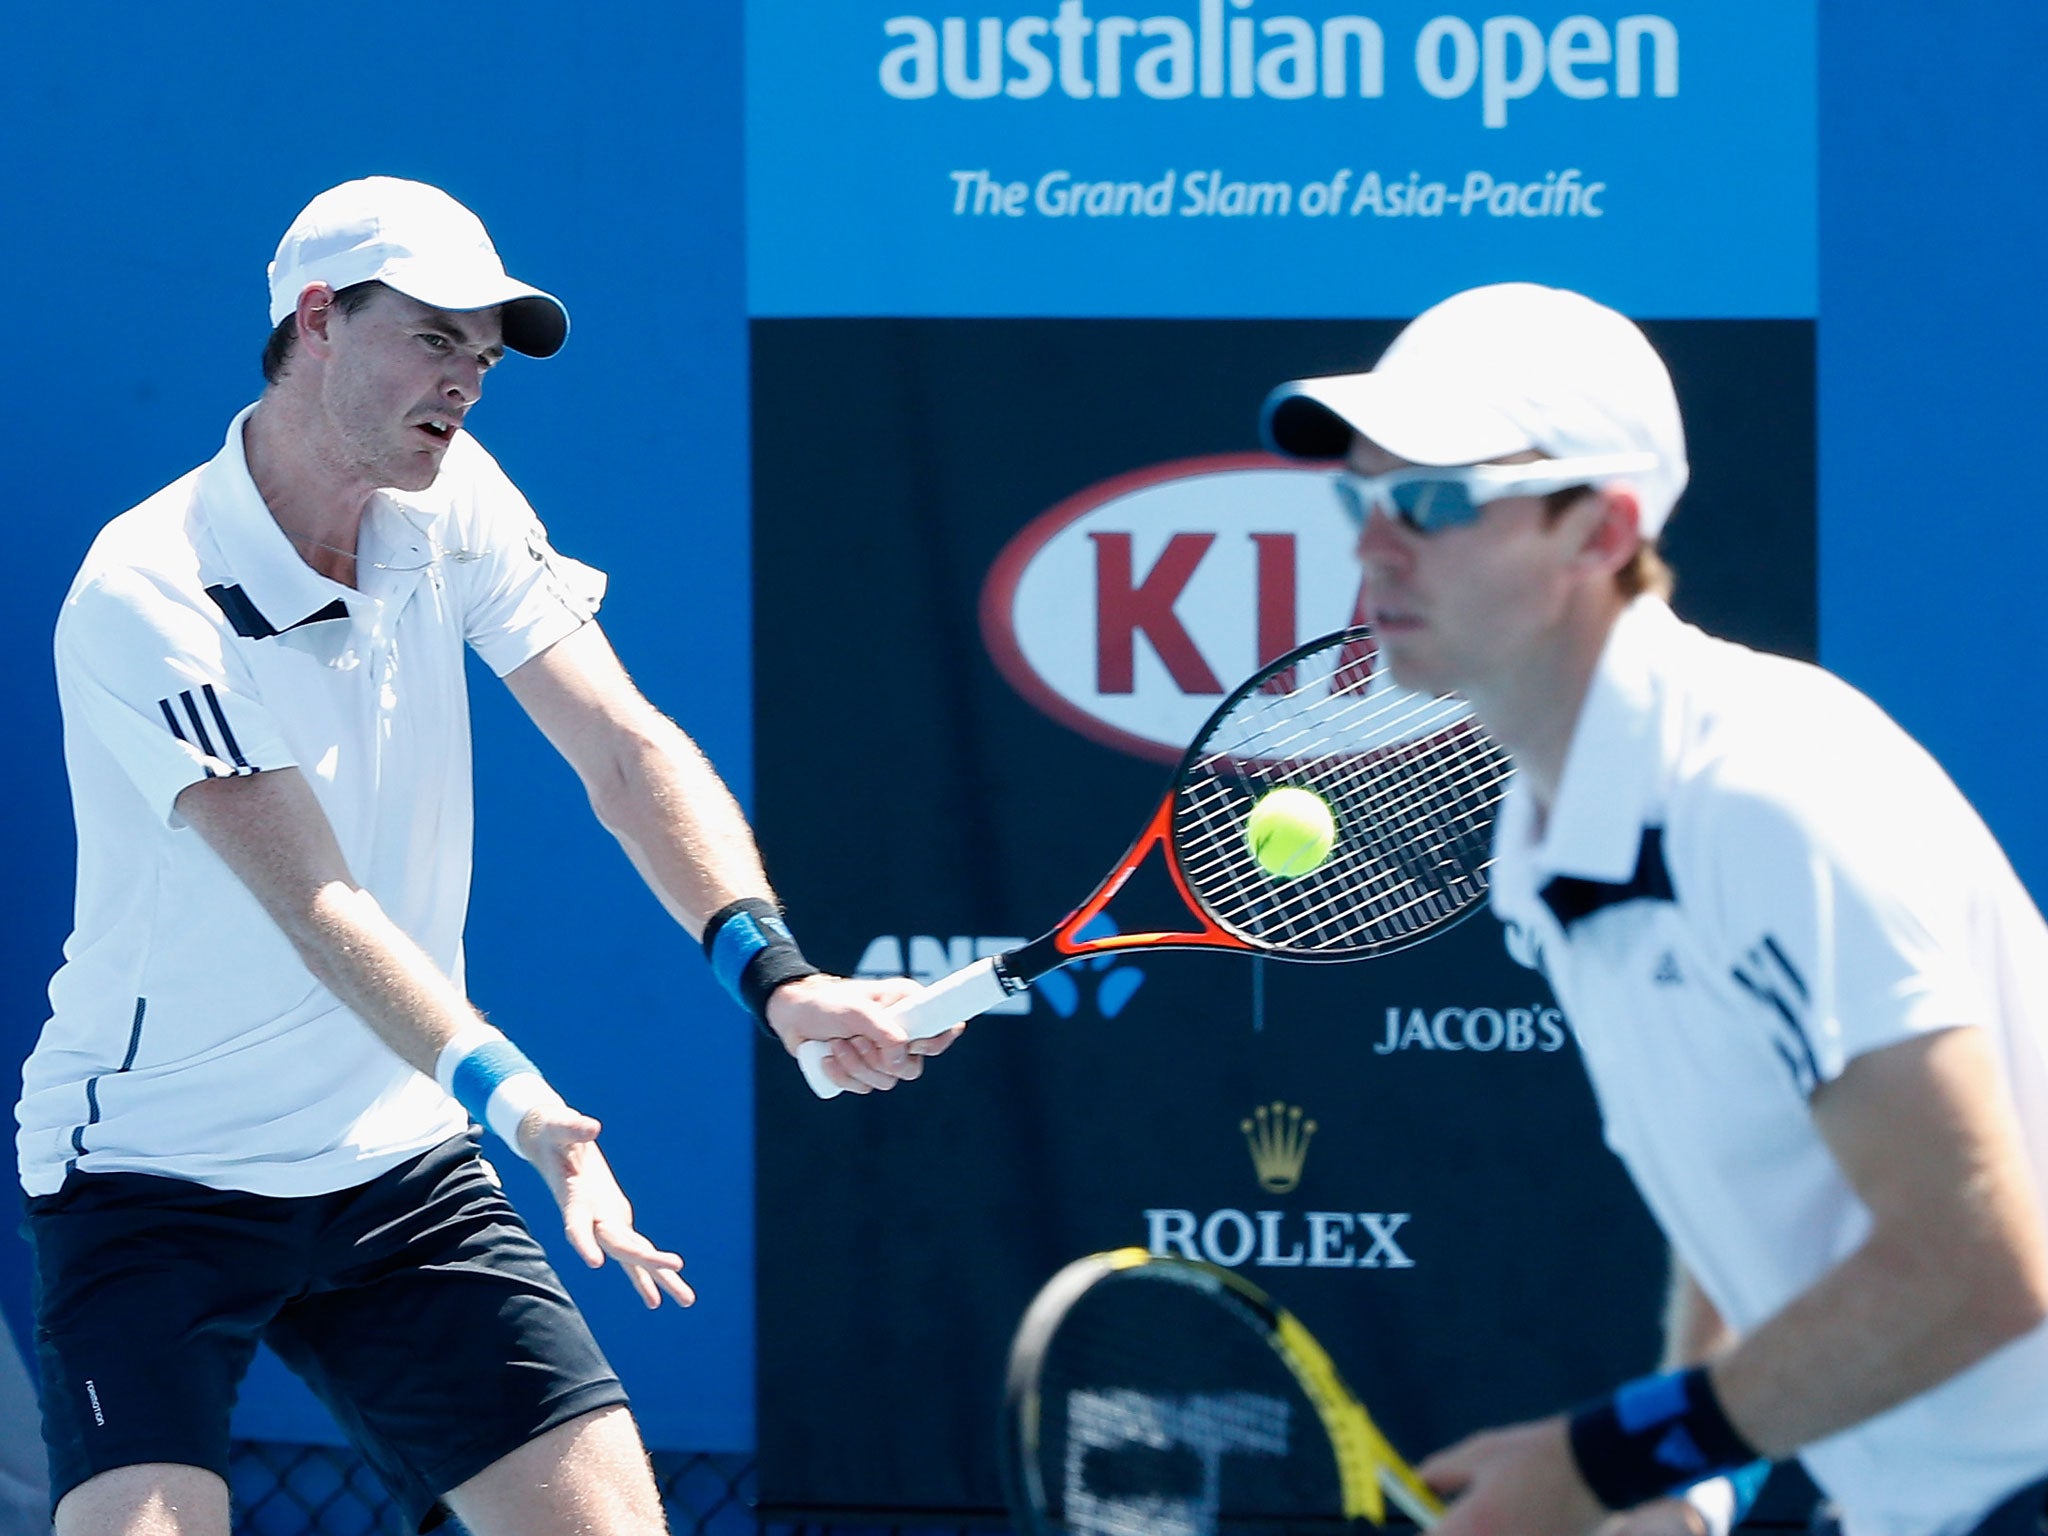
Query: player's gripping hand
x=596, y=1215
x=869, y=1049
x=1518, y=1481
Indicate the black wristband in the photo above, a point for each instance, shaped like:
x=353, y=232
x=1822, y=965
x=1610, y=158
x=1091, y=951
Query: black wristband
x=1655, y=1436
x=752, y=953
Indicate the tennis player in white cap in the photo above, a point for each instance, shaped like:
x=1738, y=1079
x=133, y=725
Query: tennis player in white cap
x=1809, y=989
x=249, y=1116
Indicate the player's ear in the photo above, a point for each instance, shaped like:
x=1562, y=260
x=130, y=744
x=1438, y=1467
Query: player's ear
x=316, y=318
x=1611, y=539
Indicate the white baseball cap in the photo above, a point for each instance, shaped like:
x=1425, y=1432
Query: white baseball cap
x=1495, y=371
x=418, y=240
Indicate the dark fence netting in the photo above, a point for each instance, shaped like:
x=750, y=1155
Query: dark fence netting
x=327, y=1490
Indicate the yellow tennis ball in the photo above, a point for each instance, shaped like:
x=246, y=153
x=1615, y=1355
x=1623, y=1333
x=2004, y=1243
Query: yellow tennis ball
x=1290, y=832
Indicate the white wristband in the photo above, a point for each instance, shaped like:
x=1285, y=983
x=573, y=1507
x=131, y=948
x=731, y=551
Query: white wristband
x=513, y=1099
x=493, y=1081
x=1714, y=1499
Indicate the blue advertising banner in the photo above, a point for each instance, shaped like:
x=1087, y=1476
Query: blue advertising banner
x=1277, y=158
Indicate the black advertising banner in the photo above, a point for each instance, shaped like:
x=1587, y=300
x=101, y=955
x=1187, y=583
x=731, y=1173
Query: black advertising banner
x=1004, y=567
x=1019, y=280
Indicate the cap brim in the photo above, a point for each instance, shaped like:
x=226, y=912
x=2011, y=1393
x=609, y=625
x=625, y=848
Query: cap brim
x=1413, y=418
x=537, y=324
x=534, y=322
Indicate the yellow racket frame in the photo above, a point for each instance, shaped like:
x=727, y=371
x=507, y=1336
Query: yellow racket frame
x=1371, y=1473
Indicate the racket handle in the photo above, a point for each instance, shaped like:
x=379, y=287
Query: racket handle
x=967, y=993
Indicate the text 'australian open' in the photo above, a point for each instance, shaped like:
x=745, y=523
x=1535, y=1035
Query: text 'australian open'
x=1223, y=53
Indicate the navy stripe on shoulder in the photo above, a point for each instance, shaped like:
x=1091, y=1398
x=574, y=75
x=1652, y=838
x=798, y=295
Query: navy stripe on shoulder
x=1780, y=989
x=198, y=725
x=177, y=730
x=1784, y=964
x=227, y=734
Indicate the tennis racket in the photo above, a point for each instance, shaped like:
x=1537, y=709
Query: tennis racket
x=1151, y=1396
x=1411, y=780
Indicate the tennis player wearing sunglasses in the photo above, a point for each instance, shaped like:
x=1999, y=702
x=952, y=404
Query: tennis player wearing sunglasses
x=1811, y=993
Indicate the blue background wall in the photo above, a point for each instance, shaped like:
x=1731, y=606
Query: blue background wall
x=1933, y=394
x=153, y=154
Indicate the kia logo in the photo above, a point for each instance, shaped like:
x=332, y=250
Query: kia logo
x=1127, y=611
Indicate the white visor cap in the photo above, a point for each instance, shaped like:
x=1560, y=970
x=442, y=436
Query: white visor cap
x=418, y=240
x=1505, y=369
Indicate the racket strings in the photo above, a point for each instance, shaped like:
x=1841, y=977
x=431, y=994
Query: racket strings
x=1165, y=1410
x=1411, y=780
x=1355, y=895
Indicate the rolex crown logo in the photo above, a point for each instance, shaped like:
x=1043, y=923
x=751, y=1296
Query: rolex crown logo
x=1278, y=1138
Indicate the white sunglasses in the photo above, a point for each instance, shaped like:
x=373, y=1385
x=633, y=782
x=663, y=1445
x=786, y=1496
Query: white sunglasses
x=1430, y=499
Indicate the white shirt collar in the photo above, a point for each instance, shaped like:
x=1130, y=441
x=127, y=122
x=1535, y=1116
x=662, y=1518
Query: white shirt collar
x=281, y=586
x=1610, y=790
x=393, y=547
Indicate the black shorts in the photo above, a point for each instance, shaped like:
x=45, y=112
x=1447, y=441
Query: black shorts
x=417, y=1306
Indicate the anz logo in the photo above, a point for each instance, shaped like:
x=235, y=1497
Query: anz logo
x=1105, y=983
x=1102, y=985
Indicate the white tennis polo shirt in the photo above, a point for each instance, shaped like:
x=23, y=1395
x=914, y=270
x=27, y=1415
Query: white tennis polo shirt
x=186, y=1038
x=1751, y=876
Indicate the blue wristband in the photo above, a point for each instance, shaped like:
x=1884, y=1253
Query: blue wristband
x=1655, y=1436
x=492, y=1080
x=477, y=1075
x=1748, y=1482
x=752, y=953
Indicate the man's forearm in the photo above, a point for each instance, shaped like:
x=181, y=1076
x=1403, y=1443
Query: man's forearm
x=376, y=970
x=1955, y=1265
x=680, y=825
x=647, y=781
x=269, y=829
x=1883, y=1326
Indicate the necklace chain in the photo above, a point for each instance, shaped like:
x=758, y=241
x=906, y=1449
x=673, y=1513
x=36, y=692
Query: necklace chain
x=332, y=549
x=378, y=565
